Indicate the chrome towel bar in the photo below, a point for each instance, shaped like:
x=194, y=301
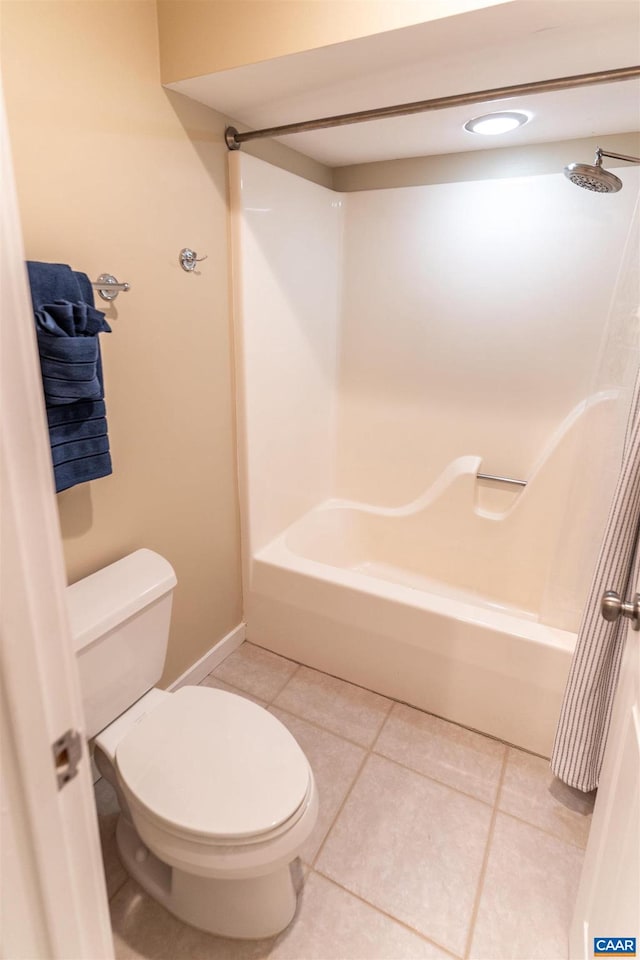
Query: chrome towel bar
x=108, y=287
x=490, y=476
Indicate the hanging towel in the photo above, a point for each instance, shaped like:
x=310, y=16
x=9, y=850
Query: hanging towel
x=67, y=327
x=585, y=716
x=68, y=347
x=57, y=281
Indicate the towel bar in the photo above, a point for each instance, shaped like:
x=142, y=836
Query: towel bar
x=490, y=476
x=108, y=287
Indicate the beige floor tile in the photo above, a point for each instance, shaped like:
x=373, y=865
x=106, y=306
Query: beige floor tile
x=142, y=928
x=528, y=895
x=341, y=707
x=530, y=791
x=256, y=671
x=335, y=763
x=218, y=684
x=331, y=924
x=108, y=811
x=412, y=847
x=442, y=750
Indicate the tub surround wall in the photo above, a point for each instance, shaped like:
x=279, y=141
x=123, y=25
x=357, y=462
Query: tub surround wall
x=598, y=453
x=277, y=154
x=471, y=324
x=453, y=537
x=470, y=335
x=287, y=276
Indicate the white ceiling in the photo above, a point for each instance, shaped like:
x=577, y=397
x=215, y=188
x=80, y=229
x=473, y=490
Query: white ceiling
x=517, y=41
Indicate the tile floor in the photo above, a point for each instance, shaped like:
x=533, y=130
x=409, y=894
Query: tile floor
x=432, y=841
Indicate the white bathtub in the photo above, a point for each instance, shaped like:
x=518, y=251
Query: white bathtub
x=345, y=590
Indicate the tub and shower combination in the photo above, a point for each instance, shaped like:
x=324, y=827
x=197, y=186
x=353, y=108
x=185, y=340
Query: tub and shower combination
x=421, y=500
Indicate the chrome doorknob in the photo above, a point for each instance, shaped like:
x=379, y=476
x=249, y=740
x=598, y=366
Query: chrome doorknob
x=613, y=607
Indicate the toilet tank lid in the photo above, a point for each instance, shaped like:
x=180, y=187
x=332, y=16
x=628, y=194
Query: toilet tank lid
x=103, y=600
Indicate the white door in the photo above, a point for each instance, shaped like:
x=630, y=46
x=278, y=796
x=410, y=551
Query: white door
x=54, y=902
x=608, y=904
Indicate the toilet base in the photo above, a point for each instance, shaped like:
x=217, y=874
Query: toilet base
x=247, y=909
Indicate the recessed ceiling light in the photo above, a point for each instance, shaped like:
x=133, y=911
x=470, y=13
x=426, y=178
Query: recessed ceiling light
x=493, y=123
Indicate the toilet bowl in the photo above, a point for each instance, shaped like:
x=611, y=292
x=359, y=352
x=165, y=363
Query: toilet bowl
x=216, y=797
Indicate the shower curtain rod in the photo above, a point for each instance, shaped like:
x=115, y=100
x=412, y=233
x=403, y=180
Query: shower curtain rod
x=234, y=139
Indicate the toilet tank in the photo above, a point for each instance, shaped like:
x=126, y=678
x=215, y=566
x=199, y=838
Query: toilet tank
x=119, y=620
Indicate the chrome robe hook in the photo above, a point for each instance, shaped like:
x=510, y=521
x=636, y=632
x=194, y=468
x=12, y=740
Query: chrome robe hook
x=189, y=258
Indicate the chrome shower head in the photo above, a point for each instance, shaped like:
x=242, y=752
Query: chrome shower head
x=593, y=177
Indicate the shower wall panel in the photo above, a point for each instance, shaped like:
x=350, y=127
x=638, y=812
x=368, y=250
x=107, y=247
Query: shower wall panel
x=287, y=258
x=599, y=450
x=472, y=318
x=383, y=337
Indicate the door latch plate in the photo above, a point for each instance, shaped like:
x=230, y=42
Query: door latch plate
x=67, y=751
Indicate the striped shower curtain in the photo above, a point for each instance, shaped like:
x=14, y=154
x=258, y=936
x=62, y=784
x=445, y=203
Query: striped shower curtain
x=582, y=731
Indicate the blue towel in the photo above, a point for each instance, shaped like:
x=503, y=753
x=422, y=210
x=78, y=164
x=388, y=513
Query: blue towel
x=67, y=326
x=64, y=319
x=68, y=346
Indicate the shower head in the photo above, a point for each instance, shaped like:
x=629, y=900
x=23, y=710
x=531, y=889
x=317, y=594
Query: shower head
x=595, y=177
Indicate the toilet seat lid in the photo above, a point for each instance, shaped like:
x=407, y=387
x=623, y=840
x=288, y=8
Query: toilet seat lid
x=214, y=764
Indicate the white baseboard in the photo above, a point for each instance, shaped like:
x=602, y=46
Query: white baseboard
x=219, y=652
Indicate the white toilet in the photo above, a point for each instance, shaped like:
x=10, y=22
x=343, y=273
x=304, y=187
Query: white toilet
x=216, y=796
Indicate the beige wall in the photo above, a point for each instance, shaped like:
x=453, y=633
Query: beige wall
x=115, y=174
x=203, y=36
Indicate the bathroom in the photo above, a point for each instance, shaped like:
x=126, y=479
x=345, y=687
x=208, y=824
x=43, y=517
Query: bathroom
x=116, y=173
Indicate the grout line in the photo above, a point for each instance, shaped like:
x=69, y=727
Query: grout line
x=498, y=796
x=382, y=726
x=360, y=686
x=267, y=700
x=485, y=860
x=547, y=833
x=279, y=656
x=385, y=913
x=233, y=689
x=530, y=823
x=412, y=706
x=441, y=783
x=366, y=756
x=286, y=683
x=319, y=726
x=479, y=733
